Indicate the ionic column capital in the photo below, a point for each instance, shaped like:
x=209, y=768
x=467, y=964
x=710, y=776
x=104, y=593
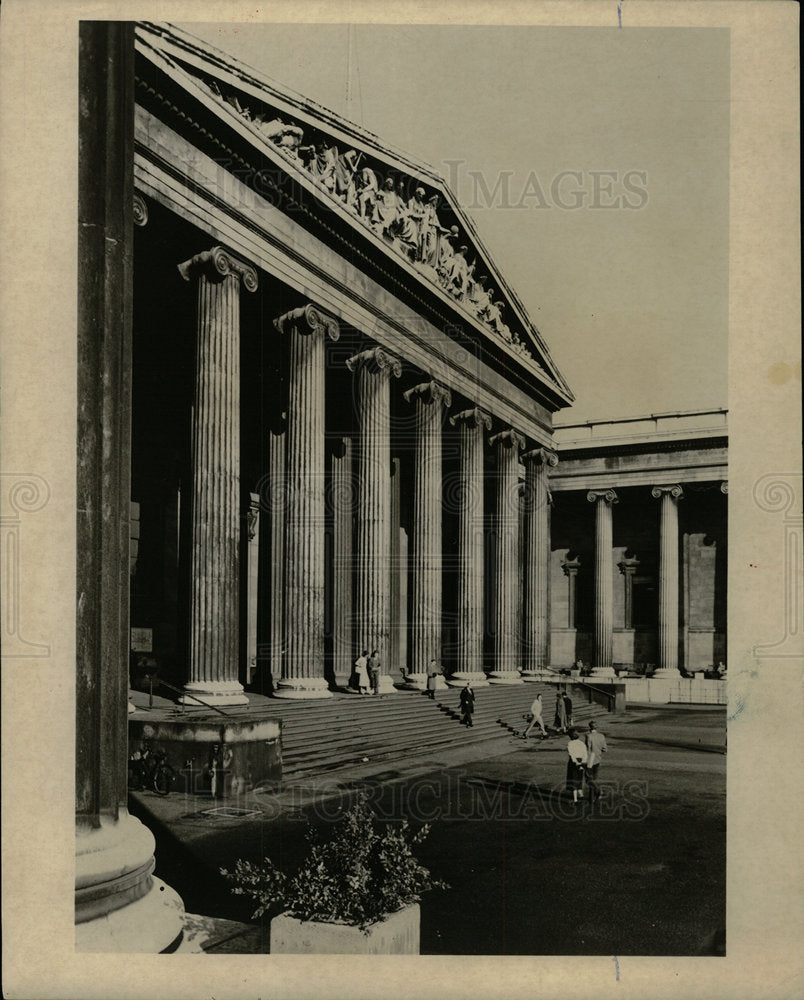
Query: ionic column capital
x=724, y=486
x=140, y=210
x=609, y=496
x=472, y=418
x=429, y=392
x=628, y=565
x=675, y=491
x=377, y=361
x=541, y=456
x=308, y=320
x=509, y=439
x=571, y=566
x=217, y=264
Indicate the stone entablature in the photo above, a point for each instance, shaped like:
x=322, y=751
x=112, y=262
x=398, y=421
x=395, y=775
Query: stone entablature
x=657, y=428
x=397, y=200
x=686, y=447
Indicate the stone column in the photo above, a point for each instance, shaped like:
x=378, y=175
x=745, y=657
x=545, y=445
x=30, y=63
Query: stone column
x=252, y=519
x=536, y=624
x=278, y=493
x=472, y=424
x=428, y=398
x=306, y=331
x=214, y=580
x=628, y=567
x=508, y=444
x=604, y=592
x=668, y=579
x=119, y=905
x=570, y=568
x=343, y=506
x=373, y=370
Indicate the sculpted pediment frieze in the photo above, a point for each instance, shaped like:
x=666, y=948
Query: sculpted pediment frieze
x=410, y=211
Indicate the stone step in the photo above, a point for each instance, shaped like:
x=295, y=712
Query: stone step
x=390, y=737
x=326, y=736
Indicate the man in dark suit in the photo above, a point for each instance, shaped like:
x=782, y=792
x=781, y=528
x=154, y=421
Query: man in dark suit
x=467, y=705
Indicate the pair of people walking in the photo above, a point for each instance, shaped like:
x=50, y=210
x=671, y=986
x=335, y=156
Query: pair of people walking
x=584, y=762
x=563, y=715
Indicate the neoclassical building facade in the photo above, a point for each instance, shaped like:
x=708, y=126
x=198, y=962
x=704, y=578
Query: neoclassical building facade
x=314, y=420
x=335, y=397
x=638, y=544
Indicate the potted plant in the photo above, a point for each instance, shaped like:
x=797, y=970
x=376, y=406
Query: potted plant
x=356, y=892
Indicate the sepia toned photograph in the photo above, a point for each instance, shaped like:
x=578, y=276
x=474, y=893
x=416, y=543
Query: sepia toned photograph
x=409, y=610
x=442, y=586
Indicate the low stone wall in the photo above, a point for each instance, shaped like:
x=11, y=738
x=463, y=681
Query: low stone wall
x=225, y=759
x=678, y=690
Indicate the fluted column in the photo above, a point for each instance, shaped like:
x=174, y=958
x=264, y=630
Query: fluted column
x=373, y=370
x=507, y=445
x=604, y=591
x=472, y=424
x=429, y=399
x=215, y=577
x=628, y=567
x=668, y=579
x=120, y=906
x=343, y=506
x=305, y=331
x=535, y=628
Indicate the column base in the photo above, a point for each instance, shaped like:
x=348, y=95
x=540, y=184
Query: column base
x=602, y=672
x=418, y=682
x=119, y=906
x=538, y=675
x=199, y=693
x=302, y=688
x=477, y=678
x=505, y=677
x=666, y=672
x=385, y=685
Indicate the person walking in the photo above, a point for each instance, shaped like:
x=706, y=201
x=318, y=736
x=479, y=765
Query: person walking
x=595, y=748
x=568, y=710
x=577, y=755
x=432, y=679
x=467, y=705
x=361, y=669
x=536, y=717
x=561, y=713
x=374, y=671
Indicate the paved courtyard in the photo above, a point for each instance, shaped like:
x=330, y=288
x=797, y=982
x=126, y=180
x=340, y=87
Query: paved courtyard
x=643, y=873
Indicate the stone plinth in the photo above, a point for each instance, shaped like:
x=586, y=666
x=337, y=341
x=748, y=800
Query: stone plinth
x=224, y=759
x=477, y=678
x=398, y=934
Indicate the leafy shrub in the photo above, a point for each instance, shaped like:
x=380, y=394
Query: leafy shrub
x=356, y=875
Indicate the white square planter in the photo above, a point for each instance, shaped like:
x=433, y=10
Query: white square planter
x=398, y=934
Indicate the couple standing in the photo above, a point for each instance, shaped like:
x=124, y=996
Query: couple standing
x=367, y=669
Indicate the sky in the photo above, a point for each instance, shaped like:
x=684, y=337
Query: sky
x=594, y=162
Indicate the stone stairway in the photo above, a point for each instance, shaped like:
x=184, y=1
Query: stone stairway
x=351, y=730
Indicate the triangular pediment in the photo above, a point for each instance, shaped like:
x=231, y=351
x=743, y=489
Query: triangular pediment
x=417, y=222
